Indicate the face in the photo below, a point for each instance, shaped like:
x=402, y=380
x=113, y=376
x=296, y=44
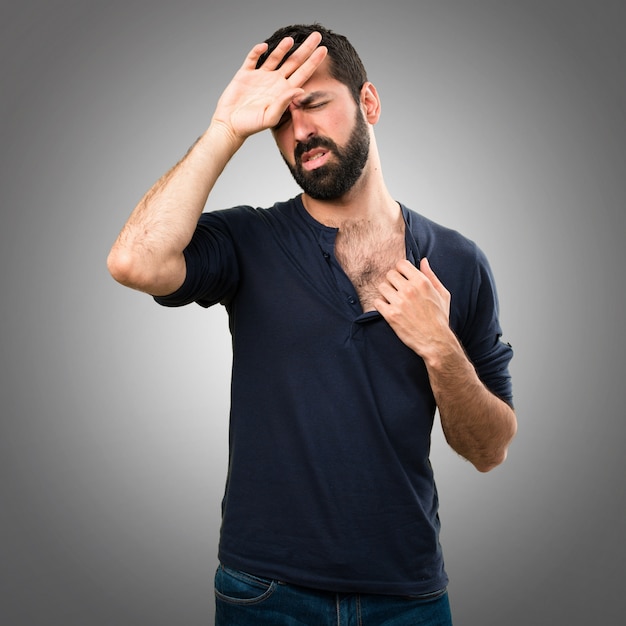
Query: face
x=337, y=175
x=325, y=168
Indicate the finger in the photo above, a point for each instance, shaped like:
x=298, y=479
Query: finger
x=387, y=292
x=404, y=272
x=407, y=269
x=306, y=70
x=382, y=306
x=280, y=105
x=299, y=56
x=440, y=288
x=300, y=65
x=425, y=267
x=278, y=54
x=302, y=53
x=253, y=56
x=393, y=280
x=432, y=277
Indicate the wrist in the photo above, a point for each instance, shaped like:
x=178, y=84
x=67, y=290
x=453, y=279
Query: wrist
x=219, y=133
x=443, y=352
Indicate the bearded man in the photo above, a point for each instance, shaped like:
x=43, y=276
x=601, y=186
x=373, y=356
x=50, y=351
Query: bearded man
x=353, y=318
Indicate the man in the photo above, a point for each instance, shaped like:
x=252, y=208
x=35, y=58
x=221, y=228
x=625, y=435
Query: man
x=353, y=318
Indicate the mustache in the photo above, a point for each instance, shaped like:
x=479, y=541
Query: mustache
x=314, y=142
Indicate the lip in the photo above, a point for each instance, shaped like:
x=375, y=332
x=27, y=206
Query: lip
x=314, y=158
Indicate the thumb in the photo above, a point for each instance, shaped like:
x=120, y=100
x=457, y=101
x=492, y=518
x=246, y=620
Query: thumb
x=426, y=269
x=428, y=272
x=435, y=282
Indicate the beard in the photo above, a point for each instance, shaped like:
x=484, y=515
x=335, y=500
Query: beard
x=334, y=179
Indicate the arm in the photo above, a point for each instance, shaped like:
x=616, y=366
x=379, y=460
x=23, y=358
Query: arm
x=148, y=253
x=478, y=425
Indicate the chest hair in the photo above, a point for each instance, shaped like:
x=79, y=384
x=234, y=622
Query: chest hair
x=366, y=253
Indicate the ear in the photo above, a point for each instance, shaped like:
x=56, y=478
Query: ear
x=370, y=103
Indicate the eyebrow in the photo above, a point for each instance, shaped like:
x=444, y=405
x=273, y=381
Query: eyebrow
x=304, y=102
x=309, y=98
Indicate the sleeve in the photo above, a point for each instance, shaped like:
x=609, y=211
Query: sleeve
x=211, y=263
x=481, y=335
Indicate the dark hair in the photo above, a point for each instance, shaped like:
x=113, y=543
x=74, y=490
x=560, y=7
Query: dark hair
x=345, y=63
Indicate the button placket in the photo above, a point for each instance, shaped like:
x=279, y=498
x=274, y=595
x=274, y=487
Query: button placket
x=344, y=284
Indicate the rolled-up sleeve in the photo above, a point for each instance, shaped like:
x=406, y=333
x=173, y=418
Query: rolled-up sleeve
x=211, y=263
x=482, y=334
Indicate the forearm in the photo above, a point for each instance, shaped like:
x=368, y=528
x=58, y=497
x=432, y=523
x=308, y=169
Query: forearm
x=148, y=253
x=478, y=425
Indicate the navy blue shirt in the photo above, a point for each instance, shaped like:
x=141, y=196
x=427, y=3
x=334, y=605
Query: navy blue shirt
x=329, y=481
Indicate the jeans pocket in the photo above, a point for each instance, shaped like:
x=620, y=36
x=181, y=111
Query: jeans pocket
x=237, y=587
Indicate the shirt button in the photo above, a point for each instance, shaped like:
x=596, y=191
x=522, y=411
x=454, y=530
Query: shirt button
x=351, y=299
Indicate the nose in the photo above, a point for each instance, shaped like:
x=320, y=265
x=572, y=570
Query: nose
x=302, y=124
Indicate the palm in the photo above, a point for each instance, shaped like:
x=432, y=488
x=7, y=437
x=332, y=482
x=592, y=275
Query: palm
x=256, y=98
x=254, y=101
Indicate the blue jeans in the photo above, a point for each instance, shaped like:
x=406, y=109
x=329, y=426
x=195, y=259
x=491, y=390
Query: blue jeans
x=245, y=600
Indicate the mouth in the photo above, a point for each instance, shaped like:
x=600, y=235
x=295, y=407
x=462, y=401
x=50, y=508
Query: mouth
x=314, y=158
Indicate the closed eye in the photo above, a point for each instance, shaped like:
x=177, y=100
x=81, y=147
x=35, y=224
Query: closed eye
x=309, y=103
x=317, y=105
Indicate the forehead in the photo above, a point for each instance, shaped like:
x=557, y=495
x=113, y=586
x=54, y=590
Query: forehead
x=322, y=80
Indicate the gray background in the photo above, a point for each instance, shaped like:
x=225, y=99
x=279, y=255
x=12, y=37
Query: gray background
x=503, y=119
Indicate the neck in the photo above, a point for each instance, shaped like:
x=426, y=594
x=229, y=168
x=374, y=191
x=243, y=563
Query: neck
x=369, y=200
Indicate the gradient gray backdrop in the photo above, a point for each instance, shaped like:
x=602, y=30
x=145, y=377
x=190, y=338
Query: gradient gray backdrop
x=506, y=120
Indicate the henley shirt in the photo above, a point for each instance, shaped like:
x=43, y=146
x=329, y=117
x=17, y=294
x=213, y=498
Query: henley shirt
x=329, y=482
